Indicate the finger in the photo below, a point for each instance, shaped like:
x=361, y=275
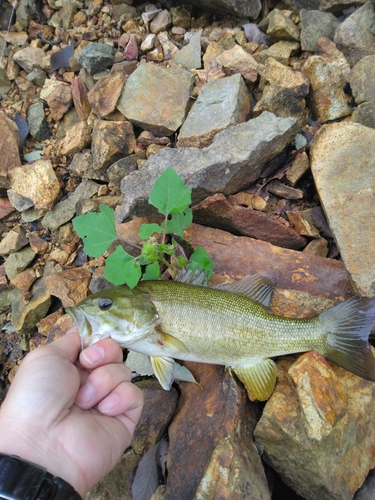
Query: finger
x=103, y=352
x=101, y=382
x=126, y=397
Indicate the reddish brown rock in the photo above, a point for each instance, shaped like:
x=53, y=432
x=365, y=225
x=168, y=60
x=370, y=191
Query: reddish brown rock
x=208, y=419
x=38, y=244
x=131, y=49
x=318, y=407
x=24, y=280
x=217, y=211
x=58, y=96
x=9, y=143
x=104, y=95
x=6, y=207
x=80, y=98
x=111, y=140
x=70, y=286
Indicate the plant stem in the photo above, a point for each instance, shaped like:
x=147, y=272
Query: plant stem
x=128, y=242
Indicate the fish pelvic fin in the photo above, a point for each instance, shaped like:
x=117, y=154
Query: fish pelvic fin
x=164, y=370
x=259, y=379
x=348, y=326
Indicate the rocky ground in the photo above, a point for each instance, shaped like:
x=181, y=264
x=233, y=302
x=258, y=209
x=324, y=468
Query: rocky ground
x=267, y=111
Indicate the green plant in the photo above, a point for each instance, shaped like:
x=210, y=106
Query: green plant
x=172, y=199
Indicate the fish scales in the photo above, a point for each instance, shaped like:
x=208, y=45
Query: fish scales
x=229, y=325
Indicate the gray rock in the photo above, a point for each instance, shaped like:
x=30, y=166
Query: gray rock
x=123, y=167
x=355, y=36
x=362, y=80
x=145, y=105
x=64, y=17
x=190, y=55
x=220, y=103
x=240, y=8
x=30, y=58
x=37, y=76
x=12, y=242
x=160, y=22
x=344, y=153
x=25, y=316
x=229, y=164
x=19, y=202
x=95, y=57
x=366, y=491
x=23, y=12
x=37, y=122
x=303, y=4
x=339, y=5
x=365, y=114
x=315, y=24
x=64, y=210
x=4, y=82
x=18, y=261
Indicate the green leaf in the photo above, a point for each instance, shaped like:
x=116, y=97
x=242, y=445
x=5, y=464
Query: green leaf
x=147, y=230
x=120, y=268
x=152, y=272
x=201, y=260
x=179, y=222
x=97, y=230
x=169, y=193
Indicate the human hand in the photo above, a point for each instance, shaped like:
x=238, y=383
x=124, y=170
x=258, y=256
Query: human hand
x=72, y=413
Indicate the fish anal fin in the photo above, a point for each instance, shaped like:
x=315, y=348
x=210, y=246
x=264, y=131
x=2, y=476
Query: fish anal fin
x=170, y=342
x=256, y=287
x=259, y=379
x=164, y=370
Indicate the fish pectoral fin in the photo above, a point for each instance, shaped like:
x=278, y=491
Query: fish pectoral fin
x=171, y=342
x=255, y=287
x=164, y=370
x=259, y=379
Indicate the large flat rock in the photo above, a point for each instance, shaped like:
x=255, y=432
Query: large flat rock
x=228, y=165
x=343, y=164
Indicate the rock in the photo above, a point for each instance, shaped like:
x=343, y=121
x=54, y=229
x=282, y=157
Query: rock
x=283, y=191
x=160, y=22
x=5, y=83
x=362, y=80
x=280, y=51
x=365, y=492
x=37, y=244
x=283, y=103
x=280, y=27
x=169, y=48
x=131, y=49
x=82, y=164
x=70, y=286
x=302, y=225
x=6, y=208
x=117, y=484
x=365, y=114
x=218, y=420
x=231, y=162
x=304, y=282
x=24, y=280
x=111, y=140
x=36, y=182
x=220, y=103
x=297, y=170
x=148, y=43
x=328, y=408
x=239, y=8
x=144, y=105
x=317, y=247
x=64, y=17
x=93, y=205
x=9, y=144
x=37, y=122
x=276, y=74
x=314, y=25
x=25, y=316
x=349, y=207
x=18, y=38
x=237, y=60
x=95, y=57
x=181, y=16
x=19, y=202
x=80, y=98
x=37, y=77
x=123, y=167
x=158, y=410
x=190, y=55
x=64, y=210
x=354, y=37
x=30, y=58
x=338, y=5
x=217, y=211
x=12, y=242
x=328, y=73
x=18, y=261
x=58, y=96
x=77, y=138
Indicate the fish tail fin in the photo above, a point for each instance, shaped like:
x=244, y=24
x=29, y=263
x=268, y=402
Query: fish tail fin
x=348, y=326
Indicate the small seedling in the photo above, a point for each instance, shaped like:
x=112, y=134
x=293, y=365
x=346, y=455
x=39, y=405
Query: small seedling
x=172, y=199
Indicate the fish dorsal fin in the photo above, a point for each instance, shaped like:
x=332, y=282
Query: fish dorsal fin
x=164, y=370
x=170, y=342
x=259, y=379
x=255, y=287
x=192, y=277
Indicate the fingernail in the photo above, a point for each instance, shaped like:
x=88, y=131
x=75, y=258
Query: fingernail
x=93, y=354
x=108, y=403
x=85, y=394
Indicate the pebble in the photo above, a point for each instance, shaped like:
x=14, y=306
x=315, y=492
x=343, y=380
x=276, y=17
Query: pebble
x=80, y=98
x=237, y=60
x=190, y=55
x=349, y=207
x=9, y=143
x=58, y=96
x=37, y=122
x=25, y=316
x=111, y=140
x=104, y=95
x=31, y=58
x=220, y=103
x=12, y=242
x=76, y=139
x=70, y=286
x=280, y=27
x=314, y=25
x=18, y=261
x=95, y=57
x=362, y=80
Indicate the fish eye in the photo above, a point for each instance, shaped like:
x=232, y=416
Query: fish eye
x=105, y=304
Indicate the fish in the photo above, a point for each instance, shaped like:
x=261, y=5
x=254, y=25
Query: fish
x=230, y=325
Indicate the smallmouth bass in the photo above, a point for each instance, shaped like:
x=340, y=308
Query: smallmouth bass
x=229, y=325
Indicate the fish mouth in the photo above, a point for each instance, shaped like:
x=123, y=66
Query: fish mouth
x=84, y=323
